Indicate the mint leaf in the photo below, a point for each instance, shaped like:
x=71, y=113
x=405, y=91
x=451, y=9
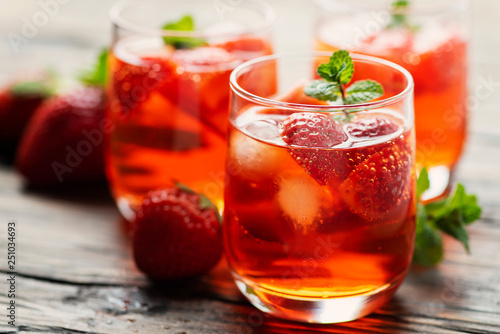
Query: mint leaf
x=363, y=91
x=450, y=215
x=423, y=182
x=96, y=76
x=343, y=61
x=339, y=69
x=186, y=23
x=428, y=243
x=337, y=73
x=453, y=225
x=399, y=9
x=323, y=90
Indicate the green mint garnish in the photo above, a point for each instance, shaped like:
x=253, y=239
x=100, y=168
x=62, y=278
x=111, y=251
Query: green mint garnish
x=399, y=10
x=336, y=74
x=339, y=69
x=96, y=76
x=186, y=23
x=323, y=90
x=362, y=91
x=449, y=215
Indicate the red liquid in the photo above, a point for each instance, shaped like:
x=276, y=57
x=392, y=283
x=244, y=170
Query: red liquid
x=169, y=109
x=438, y=64
x=289, y=235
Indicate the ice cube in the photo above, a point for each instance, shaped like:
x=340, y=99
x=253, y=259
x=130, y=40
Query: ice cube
x=431, y=36
x=257, y=160
x=300, y=198
x=263, y=129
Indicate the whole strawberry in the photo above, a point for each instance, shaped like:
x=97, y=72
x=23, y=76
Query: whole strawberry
x=19, y=100
x=177, y=234
x=63, y=140
x=306, y=134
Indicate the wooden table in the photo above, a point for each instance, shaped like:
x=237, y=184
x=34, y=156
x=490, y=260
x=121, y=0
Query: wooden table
x=75, y=273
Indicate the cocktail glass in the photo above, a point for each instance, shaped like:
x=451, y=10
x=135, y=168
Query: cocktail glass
x=319, y=234
x=429, y=38
x=169, y=90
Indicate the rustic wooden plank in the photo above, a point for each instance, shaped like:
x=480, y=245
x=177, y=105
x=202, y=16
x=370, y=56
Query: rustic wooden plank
x=75, y=270
x=67, y=308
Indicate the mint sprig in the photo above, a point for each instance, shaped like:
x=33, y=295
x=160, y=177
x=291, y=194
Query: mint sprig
x=96, y=76
x=449, y=215
x=399, y=9
x=336, y=74
x=186, y=23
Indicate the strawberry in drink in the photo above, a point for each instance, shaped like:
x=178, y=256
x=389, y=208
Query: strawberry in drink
x=320, y=211
x=434, y=50
x=168, y=103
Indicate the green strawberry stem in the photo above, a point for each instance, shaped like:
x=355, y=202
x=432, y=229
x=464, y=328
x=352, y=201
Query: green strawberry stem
x=96, y=76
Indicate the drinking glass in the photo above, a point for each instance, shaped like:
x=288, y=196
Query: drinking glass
x=169, y=90
x=313, y=233
x=429, y=38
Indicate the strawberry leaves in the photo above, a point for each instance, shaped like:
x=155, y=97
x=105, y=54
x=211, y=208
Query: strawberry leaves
x=96, y=76
x=336, y=74
x=451, y=215
x=204, y=203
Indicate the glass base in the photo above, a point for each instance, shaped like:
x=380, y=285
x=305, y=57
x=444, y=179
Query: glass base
x=440, y=178
x=125, y=208
x=322, y=311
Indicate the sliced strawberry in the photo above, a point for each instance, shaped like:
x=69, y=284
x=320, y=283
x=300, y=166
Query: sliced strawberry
x=133, y=83
x=201, y=85
x=371, y=127
x=261, y=220
x=63, y=140
x=316, y=133
x=247, y=48
x=176, y=234
x=380, y=186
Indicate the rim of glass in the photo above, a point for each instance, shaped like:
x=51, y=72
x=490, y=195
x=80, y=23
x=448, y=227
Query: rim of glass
x=117, y=9
x=431, y=8
x=237, y=89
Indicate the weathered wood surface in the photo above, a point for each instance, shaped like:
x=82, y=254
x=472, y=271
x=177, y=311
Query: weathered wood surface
x=75, y=273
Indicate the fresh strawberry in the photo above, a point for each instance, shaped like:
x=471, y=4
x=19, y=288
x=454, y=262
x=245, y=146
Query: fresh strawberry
x=379, y=187
x=371, y=127
x=177, y=234
x=133, y=83
x=63, y=140
x=246, y=48
x=18, y=102
x=201, y=85
x=308, y=136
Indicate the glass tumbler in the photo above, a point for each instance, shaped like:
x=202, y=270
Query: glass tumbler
x=314, y=233
x=427, y=37
x=168, y=91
